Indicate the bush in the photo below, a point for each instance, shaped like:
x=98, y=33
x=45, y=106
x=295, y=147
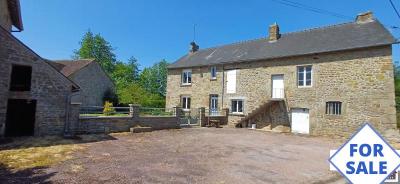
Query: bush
x=108, y=109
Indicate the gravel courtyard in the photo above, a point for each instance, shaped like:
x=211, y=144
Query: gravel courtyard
x=199, y=155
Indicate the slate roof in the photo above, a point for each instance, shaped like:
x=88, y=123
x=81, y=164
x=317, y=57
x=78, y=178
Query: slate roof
x=69, y=67
x=338, y=37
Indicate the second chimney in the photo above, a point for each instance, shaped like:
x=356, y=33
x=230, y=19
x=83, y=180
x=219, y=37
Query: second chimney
x=365, y=17
x=274, y=32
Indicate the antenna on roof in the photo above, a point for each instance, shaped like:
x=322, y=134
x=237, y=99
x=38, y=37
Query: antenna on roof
x=194, y=32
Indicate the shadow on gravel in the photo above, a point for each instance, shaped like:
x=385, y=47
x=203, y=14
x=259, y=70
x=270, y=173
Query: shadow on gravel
x=31, y=142
x=31, y=175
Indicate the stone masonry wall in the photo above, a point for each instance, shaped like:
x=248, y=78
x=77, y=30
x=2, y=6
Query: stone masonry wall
x=94, y=83
x=361, y=79
x=5, y=20
x=49, y=87
x=122, y=124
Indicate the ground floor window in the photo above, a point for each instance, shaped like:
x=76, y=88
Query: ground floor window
x=333, y=108
x=186, y=102
x=237, y=106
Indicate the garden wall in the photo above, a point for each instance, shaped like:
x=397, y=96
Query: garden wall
x=122, y=124
x=105, y=124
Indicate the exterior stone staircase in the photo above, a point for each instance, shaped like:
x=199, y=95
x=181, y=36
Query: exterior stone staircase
x=248, y=119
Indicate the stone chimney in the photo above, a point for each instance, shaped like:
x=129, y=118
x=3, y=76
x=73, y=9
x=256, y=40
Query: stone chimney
x=274, y=33
x=365, y=17
x=193, y=47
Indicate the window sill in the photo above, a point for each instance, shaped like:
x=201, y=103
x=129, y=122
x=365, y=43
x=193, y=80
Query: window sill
x=304, y=87
x=236, y=114
x=186, y=85
x=333, y=116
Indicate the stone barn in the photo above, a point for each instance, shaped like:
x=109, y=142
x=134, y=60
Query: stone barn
x=35, y=98
x=90, y=76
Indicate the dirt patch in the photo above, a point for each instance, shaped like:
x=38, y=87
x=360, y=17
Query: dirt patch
x=32, y=152
x=200, y=155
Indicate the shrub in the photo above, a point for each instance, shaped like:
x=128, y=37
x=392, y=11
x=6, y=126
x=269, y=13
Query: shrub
x=108, y=109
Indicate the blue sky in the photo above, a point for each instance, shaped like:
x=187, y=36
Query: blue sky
x=151, y=30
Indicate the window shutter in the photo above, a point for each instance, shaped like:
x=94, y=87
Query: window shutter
x=231, y=81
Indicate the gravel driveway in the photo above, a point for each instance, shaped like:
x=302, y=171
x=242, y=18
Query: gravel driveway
x=200, y=155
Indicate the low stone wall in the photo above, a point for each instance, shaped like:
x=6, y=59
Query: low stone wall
x=105, y=124
x=158, y=123
x=122, y=124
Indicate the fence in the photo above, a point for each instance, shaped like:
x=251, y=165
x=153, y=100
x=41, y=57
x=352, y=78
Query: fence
x=98, y=111
x=216, y=112
x=157, y=112
x=93, y=120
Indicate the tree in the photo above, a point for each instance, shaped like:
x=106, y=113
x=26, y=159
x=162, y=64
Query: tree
x=133, y=64
x=124, y=74
x=135, y=94
x=96, y=47
x=154, y=79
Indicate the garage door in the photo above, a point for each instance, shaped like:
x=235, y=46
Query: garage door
x=300, y=121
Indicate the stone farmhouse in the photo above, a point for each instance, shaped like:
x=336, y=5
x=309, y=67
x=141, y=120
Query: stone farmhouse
x=90, y=76
x=320, y=81
x=35, y=98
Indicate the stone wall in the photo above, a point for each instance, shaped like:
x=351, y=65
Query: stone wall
x=361, y=79
x=122, y=124
x=5, y=20
x=49, y=87
x=94, y=82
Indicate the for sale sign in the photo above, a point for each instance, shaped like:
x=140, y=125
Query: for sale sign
x=366, y=157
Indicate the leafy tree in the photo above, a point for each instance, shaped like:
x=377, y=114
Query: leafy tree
x=154, y=79
x=133, y=64
x=135, y=94
x=95, y=46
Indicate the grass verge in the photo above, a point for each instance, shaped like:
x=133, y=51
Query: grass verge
x=30, y=152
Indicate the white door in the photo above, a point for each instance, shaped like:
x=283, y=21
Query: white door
x=300, y=121
x=277, y=86
x=231, y=81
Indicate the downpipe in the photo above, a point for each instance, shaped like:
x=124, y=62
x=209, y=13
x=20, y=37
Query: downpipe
x=67, y=132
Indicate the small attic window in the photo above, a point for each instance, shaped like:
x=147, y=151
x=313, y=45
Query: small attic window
x=21, y=78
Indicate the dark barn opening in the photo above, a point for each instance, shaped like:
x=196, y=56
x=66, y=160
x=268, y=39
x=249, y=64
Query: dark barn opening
x=20, y=117
x=21, y=78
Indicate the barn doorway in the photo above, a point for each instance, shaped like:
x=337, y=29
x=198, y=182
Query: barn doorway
x=20, y=117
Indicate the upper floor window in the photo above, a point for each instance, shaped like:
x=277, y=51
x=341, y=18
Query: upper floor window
x=187, y=77
x=21, y=78
x=304, y=76
x=333, y=108
x=213, y=72
x=237, y=106
x=186, y=102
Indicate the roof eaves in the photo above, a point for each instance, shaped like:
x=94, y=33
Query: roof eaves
x=286, y=56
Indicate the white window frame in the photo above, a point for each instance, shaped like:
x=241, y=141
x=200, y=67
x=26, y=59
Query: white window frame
x=188, y=75
x=334, y=108
x=213, y=72
x=237, y=106
x=304, y=76
x=184, y=100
